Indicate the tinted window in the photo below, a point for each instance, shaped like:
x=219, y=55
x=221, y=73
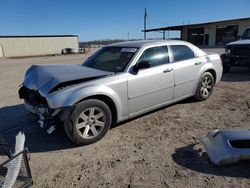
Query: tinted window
x=155, y=56
x=182, y=52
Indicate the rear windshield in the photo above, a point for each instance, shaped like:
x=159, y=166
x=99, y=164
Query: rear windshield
x=112, y=59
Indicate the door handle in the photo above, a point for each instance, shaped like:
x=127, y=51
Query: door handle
x=168, y=70
x=198, y=63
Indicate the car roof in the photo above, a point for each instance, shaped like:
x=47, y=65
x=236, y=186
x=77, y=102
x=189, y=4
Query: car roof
x=152, y=43
x=145, y=43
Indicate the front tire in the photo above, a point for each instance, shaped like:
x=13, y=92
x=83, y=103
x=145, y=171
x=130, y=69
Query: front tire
x=205, y=87
x=226, y=67
x=226, y=64
x=89, y=122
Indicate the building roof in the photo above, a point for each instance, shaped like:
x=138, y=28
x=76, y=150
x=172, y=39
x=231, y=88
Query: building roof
x=180, y=27
x=35, y=36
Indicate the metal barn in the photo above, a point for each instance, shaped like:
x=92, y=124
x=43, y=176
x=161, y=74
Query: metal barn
x=17, y=46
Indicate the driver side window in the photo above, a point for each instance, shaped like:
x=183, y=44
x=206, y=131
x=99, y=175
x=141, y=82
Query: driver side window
x=155, y=56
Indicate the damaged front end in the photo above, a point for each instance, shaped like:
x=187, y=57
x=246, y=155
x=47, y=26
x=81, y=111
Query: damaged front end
x=37, y=105
x=48, y=91
x=227, y=146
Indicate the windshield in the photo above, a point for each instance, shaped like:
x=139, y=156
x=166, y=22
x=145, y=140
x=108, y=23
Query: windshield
x=246, y=35
x=112, y=59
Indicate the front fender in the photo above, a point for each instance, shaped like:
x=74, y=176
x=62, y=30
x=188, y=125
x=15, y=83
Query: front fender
x=69, y=97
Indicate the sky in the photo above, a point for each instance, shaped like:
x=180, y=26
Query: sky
x=111, y=19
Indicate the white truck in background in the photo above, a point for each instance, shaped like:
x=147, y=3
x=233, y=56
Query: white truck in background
x=237, y=53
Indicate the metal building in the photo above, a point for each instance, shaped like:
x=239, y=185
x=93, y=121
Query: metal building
x=210, y=33
x=16, y=46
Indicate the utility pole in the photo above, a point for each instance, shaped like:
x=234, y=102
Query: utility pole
x=145, y=23
x=128, y=35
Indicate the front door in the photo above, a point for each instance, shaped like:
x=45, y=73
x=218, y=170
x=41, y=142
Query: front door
x=152, y=86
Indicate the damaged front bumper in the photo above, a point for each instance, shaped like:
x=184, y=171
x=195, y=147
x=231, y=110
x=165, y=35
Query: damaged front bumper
x=41, y=110
x=35, y=110
x=46, y=116
x=227, y=146
x=36, y=104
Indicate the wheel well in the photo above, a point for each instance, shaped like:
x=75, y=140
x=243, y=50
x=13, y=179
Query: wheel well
x=108, y=101
x=213, y=73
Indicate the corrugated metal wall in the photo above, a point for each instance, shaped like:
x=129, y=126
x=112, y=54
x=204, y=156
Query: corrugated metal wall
x=32, y=46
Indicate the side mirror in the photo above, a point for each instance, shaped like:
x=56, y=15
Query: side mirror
x=143, y=65
x=239, y=37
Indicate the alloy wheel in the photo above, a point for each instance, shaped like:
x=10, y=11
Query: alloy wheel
x=90, y=122
x=206, y=86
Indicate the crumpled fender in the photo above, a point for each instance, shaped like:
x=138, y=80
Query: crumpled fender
x=70, y=96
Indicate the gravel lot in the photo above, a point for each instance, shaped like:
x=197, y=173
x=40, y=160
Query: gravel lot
x=159, y=149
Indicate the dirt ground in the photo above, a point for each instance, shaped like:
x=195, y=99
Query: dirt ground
x=159, y=149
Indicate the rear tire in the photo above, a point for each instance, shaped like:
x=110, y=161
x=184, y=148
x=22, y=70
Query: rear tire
x=205, y=87
x=89, y=122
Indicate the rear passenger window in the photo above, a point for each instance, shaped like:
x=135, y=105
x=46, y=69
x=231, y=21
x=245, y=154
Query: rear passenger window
x=155, y=56
x=182, y=52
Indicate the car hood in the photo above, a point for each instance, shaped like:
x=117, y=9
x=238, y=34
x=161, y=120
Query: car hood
x=239, y=42
x=46, y=78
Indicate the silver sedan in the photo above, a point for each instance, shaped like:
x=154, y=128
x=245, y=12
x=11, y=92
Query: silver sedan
x=118, y=82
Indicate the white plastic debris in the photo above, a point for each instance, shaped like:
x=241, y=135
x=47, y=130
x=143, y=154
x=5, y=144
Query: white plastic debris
x=14, y=165
x=227, y=146
x=51, y=129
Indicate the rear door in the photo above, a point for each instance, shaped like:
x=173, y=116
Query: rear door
x=151, y=86
x=187, y=67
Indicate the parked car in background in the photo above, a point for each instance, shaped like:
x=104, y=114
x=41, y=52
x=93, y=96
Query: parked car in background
x=118, y=82
x=237, y=53
x=67, y=51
